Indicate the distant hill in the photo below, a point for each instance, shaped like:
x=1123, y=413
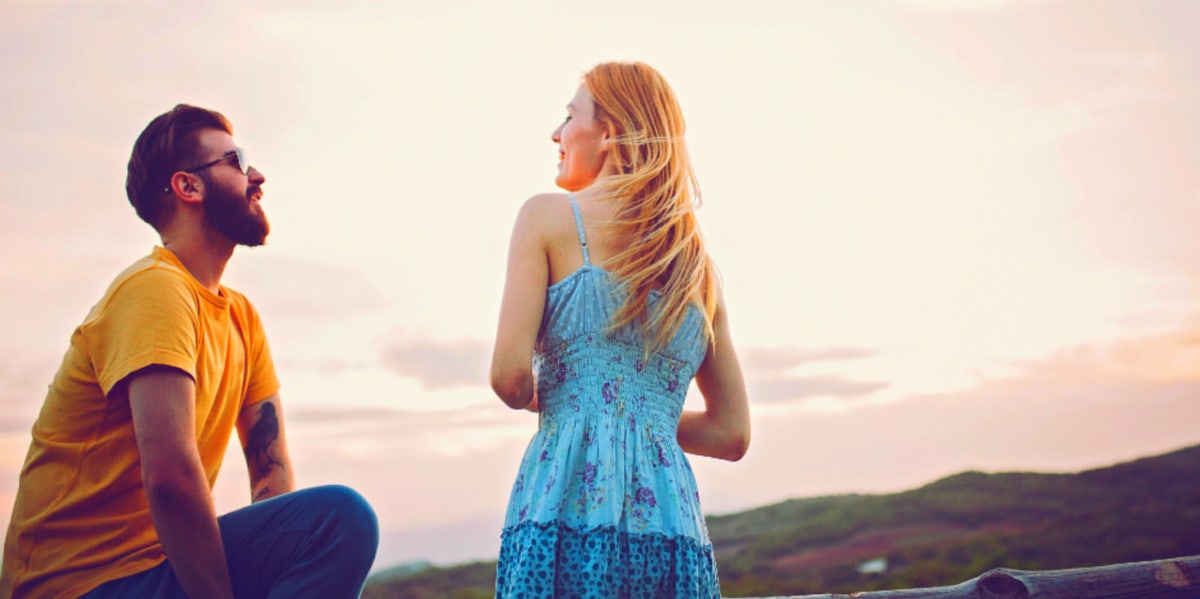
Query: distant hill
x=943, y=533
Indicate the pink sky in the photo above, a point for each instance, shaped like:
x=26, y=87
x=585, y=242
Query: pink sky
x=953, y=234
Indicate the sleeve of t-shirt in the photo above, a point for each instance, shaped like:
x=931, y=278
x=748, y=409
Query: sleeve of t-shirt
x=151, y=319
x=263, y=381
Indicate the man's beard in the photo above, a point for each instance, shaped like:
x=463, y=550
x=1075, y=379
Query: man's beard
x=233, y=216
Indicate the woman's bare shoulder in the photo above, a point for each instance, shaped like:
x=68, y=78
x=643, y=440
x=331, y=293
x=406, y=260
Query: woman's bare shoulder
x=546, y=201
x=544, y=209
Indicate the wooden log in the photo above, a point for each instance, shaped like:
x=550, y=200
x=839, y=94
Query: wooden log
x=1177, y=578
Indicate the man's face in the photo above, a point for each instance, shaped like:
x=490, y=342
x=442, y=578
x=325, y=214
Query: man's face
x=231, y=197
x=235, y=211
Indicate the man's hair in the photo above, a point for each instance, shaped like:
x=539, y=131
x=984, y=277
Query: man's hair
x=167, y=144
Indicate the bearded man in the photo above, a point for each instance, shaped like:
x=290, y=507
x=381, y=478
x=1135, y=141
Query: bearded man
x=115, y=497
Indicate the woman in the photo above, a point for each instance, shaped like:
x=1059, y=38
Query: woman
x=611, y=296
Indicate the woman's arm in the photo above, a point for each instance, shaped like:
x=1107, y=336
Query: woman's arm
x=521, y=308
x=722, y=429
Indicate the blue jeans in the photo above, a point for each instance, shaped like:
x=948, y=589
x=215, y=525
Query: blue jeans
x=317, y=542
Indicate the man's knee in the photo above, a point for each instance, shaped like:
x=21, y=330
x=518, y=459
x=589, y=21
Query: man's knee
x=354, y=515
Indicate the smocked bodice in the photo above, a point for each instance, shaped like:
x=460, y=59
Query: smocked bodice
x=583, y=367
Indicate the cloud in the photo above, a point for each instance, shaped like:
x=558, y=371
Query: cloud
x=10, y=423
x=771, y=377
x=323, y=366
x=439, y=364
x=771, y=362
x=23, y=382
x=1087, y=406
x=398, y=421
x=1133, y=397
x=362, y=432
x=775, y=390
x=418, y=469
x=304, y=289
x=307, y=414
x=1165, y=357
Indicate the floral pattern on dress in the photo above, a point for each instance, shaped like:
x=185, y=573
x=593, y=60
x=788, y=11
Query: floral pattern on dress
x=605, y=501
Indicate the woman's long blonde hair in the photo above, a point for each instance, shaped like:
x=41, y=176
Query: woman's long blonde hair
x=655, y=191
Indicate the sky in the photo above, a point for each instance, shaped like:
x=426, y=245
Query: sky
x=952, y=234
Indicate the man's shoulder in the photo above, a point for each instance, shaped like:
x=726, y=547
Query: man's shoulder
x=151, y=272
x=158, y=259
x=150, y=278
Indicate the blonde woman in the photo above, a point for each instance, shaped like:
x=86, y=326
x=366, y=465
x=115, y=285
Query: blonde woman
x=612, y=298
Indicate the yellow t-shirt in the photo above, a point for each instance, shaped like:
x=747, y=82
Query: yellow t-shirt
x=81, y=516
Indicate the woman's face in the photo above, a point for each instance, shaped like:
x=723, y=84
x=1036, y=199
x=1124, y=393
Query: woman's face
x=581, y=144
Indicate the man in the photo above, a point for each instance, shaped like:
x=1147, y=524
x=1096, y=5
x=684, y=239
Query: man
x=115, y=497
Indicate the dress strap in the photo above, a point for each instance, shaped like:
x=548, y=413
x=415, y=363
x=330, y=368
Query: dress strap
x=579, y=227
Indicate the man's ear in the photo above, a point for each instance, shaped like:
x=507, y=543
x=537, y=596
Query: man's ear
x=187, y=187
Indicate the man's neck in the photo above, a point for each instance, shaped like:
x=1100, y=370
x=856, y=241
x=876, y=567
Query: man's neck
x=203, y=257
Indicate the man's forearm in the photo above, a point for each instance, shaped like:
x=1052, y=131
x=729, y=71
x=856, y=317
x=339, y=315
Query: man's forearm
x=186, y=522
x=265, y=448
x=277, y=481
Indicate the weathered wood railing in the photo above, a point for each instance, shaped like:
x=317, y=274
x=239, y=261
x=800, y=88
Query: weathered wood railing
x=1177, y=578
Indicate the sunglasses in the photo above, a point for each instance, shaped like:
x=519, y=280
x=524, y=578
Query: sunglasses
x=242, y=164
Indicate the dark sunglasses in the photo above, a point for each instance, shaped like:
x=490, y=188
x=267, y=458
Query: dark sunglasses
x=242, y=164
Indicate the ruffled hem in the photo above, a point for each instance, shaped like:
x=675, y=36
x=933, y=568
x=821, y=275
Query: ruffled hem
x=552, y=559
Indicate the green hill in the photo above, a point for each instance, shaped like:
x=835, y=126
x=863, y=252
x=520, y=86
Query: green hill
x=943, y=533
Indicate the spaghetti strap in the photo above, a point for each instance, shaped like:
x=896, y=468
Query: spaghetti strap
x=579, y=227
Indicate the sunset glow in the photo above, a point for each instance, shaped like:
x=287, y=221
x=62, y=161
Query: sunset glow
x=952, y=235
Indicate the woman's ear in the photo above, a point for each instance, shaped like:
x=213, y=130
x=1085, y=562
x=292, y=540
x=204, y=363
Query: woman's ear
x=610, y=137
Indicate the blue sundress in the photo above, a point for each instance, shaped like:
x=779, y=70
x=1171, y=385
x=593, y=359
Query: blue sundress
x=605, y=503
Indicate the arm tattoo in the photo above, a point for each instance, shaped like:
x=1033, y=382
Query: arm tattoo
x=262, y=493
x=262, y=436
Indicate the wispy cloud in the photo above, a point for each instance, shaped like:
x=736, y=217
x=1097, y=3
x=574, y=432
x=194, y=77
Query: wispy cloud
x=1169, y=356
x=307, y=414
x=768, y=362
x=439, y=364
x=1086, y=406
x=300, y=288
x=373, y=419
x=772, y=374
x=324, y=366
x=23, y=381
x=15, y=424
x=776, y=390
